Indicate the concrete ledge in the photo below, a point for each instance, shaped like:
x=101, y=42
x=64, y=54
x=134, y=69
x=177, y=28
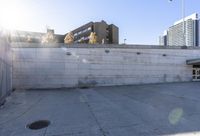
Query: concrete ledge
x=123, y=46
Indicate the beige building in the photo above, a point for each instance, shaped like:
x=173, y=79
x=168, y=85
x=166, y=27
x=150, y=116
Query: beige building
x=106, y=34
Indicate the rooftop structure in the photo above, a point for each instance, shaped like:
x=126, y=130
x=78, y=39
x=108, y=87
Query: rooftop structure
x=194, y=16
x=73, y=102
x=144, y=110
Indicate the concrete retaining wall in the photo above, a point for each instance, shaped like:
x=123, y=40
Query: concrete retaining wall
x=91, y=66
x=5, y=69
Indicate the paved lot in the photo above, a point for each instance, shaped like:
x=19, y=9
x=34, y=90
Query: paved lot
x=145, y=110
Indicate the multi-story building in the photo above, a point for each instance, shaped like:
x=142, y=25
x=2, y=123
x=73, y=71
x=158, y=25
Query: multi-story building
x=33, y=37
x=175, y=34
x=108, y=34
x=163, y=39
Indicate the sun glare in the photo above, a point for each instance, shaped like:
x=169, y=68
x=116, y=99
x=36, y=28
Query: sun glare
x=11, y=15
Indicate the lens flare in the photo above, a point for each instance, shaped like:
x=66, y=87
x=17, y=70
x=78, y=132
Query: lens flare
x=12, y=15
x=175, y=116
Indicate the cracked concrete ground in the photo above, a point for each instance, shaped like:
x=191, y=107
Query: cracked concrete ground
x=142, y=110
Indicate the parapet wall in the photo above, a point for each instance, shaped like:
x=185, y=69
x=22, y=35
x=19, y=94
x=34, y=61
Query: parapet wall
x=5, y=69
x=76, y=66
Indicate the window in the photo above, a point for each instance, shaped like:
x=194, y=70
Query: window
x=85, y=30
x=196, y=73
x=89, y=28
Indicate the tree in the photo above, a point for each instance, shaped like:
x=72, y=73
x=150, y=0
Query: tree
x=69, y=38
x=92, y=38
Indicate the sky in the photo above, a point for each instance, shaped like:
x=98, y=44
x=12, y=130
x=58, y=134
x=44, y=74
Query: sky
x=139, y=21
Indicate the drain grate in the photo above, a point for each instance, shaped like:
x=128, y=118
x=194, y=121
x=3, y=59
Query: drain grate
x=38, y=124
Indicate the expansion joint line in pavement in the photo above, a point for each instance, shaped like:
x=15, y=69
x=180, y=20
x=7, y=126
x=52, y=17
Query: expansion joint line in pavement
x=28, y=109
x=95, y=118
x=45, y=131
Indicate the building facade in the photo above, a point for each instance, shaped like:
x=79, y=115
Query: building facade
x=163, y=39
x=34, y=37
x=175, y=34
x=106, y=34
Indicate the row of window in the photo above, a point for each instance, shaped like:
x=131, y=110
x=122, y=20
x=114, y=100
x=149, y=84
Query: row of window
x=82, y=39
x=83, y=31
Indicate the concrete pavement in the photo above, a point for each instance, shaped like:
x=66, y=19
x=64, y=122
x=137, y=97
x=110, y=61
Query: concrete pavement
x=141, y=110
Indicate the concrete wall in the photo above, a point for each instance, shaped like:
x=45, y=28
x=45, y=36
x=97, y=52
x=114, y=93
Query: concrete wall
x=5, y=69
x=100, y=66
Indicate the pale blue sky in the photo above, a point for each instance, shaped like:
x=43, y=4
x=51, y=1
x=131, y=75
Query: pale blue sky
x=139, y=21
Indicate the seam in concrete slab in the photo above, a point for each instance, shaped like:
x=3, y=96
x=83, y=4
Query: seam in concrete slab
x=67, y=134
x=28, y=109
x=140, y=101
x=95, y=118
x=146, y=122
x=45, y=131
x=180, y=97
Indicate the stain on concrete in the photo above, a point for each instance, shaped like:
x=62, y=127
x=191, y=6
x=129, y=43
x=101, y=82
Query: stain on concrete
x=87, y=82
x=165, y=78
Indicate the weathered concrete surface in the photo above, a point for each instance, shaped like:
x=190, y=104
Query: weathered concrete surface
x=98, y=66
x=5, y=69
x=143, y=110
